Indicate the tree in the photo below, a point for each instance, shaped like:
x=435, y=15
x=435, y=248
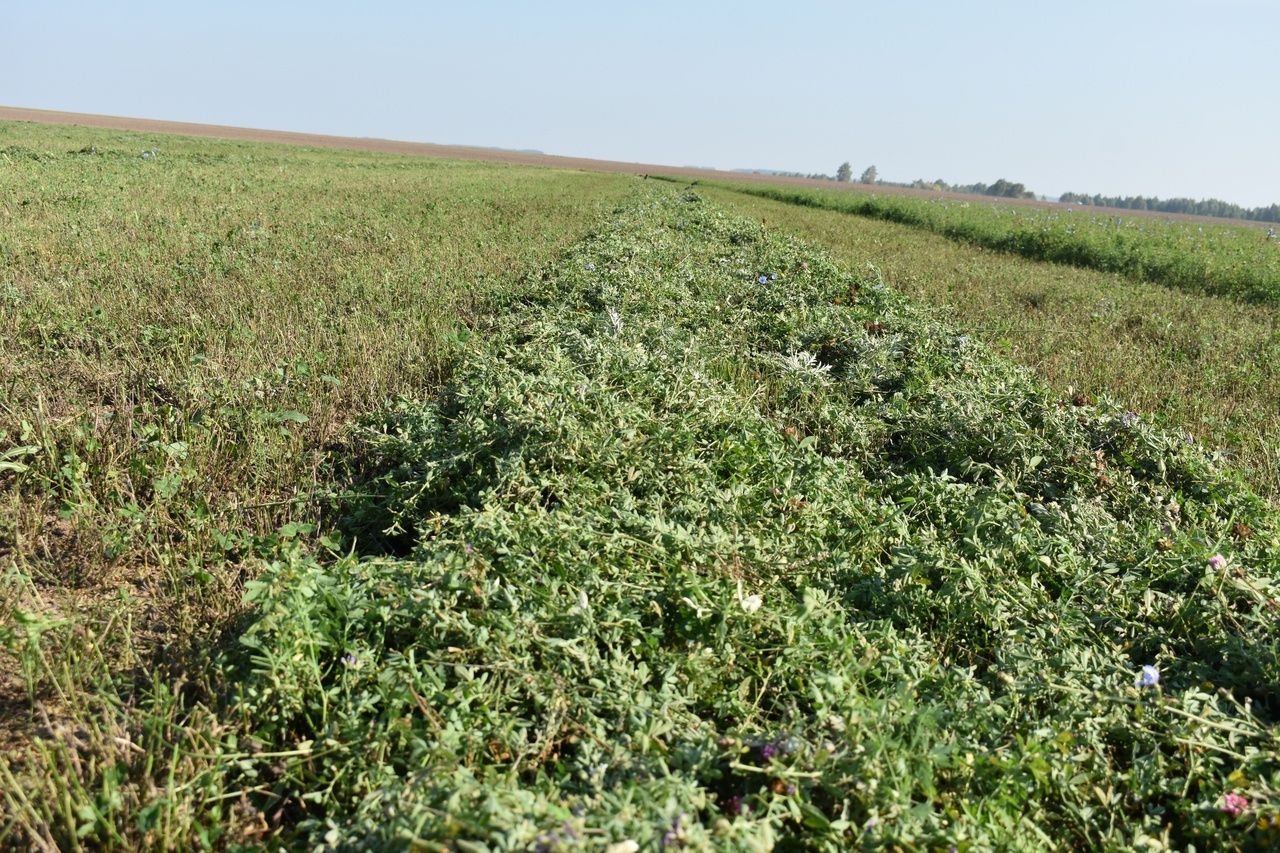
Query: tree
x=845, y=172
x=869, y=176
x=1008, y=189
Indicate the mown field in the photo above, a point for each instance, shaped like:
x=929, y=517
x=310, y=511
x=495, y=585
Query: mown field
x=1237, y=261
x=1200, y=365
x=185, y=338
x=362, y=502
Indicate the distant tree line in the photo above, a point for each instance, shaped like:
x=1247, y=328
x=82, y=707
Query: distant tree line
x=870, y=175
x=1205, y=207
x=1009, y=189
x=779, y=173
x=1001, y=188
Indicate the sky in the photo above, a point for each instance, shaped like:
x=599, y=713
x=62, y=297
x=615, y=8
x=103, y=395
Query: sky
x=1125, y=97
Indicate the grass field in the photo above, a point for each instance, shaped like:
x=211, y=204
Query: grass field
x=1238, y=261
x=184, y=337
x=1199, y=364
x=374, y=503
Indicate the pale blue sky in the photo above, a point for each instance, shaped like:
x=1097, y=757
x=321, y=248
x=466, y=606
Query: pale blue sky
x=1177, y=97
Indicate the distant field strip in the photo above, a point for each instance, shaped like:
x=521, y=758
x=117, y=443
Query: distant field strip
x=1201, y=364
x=1241, y=262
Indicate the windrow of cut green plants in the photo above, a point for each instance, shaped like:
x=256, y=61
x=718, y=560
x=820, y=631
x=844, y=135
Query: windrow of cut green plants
x=709, y=543
x=1223, y=260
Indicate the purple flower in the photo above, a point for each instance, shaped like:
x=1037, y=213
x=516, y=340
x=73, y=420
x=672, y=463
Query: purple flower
x=673, y=835
x=1217, y=562
x=1128, y=419
x=768, y=751
x=1234, y=804
x=734, y=806
x=1149, y=677
x=351, y=660
x=764, y=279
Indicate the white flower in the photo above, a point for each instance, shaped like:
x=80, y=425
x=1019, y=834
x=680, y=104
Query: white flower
x=750, y=603
x=627, y=846
x=584, y=604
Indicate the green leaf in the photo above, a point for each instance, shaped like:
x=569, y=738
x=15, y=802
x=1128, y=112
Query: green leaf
x=8, y=459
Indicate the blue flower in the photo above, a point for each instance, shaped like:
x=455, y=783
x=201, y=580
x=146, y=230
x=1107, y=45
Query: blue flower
x=1149, y=677
x=764, y=279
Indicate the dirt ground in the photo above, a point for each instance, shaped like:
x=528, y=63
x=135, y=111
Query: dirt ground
x=462, y=152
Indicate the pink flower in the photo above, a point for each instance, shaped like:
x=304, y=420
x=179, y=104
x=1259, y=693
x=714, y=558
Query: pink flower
x=1217, y=562
x=1234, y=804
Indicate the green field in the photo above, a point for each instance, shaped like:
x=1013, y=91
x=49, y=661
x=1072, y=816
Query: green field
x=354, y=501
x=1240, y=262
x=1199, y=364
